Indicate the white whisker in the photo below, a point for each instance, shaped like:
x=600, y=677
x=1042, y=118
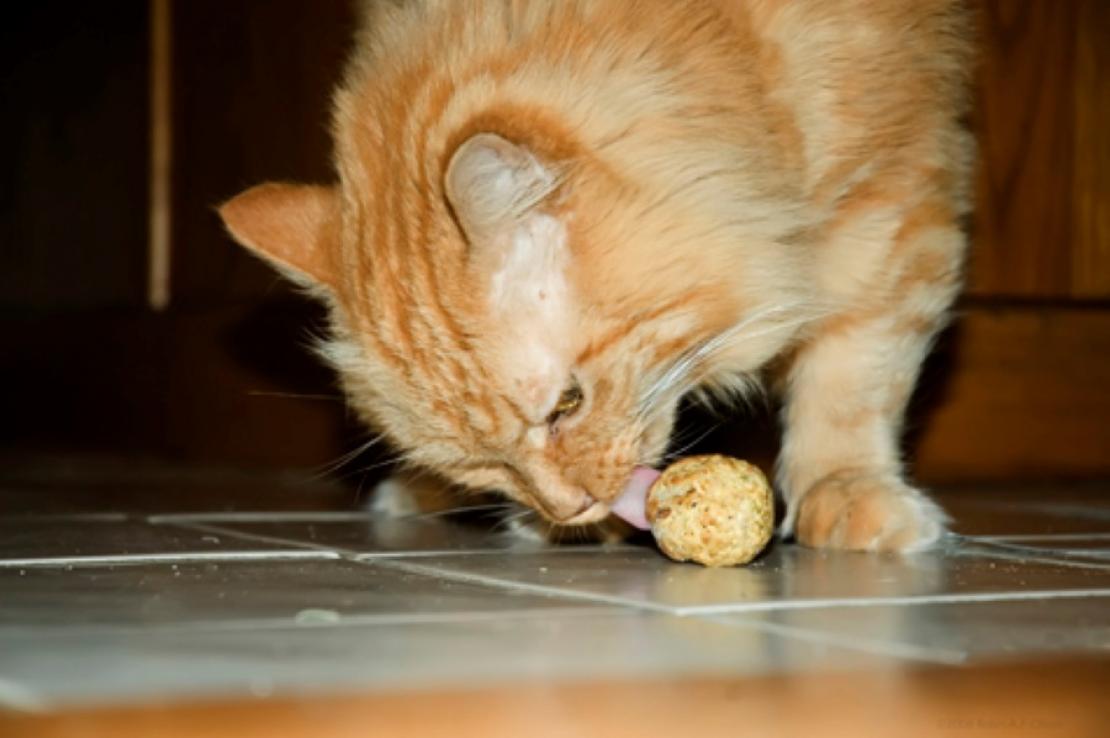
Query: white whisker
x=676, y=377
x=669, y=457
x=389, y=461
x=334, y=466
x=508, y=521
x=462, y=509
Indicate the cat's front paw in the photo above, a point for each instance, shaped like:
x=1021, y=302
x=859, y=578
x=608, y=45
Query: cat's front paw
x=858, y=511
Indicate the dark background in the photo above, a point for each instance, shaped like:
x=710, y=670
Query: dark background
x=95, y=379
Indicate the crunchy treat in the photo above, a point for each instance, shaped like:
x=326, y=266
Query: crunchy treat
x=714, y=510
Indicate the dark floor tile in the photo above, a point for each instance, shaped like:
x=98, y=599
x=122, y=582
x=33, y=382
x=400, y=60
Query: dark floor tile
x=76, y=538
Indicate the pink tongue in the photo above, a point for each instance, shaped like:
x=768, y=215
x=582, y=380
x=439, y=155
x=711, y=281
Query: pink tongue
x=630, y=505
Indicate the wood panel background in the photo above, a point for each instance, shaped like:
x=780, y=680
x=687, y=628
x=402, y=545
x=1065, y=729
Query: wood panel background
x=1042, y=223
x=73, y=137
x=1015, y=392
x=1020, y=388
x=251, y=94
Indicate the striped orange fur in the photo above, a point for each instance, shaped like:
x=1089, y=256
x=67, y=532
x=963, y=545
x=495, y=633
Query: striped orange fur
x=640, y=199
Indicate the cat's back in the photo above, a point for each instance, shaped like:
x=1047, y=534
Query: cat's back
x=867, y=83
x=843, y=74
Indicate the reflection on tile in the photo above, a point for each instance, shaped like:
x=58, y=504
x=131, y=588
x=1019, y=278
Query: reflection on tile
x=978, y=514
x=787, y=576
x=108, y=536
x=155, y=595
x=421, y=602
x=589, y=644
x=1075, y=549
x=974, y=629
x=375, y=534
x=1055, y=540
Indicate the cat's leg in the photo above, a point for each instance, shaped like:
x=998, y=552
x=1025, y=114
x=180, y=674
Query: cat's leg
x=847, y=389
x=406, y=494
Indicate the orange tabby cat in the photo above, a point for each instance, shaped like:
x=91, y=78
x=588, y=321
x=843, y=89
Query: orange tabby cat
x=553, y=219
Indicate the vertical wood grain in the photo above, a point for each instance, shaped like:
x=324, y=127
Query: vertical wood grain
x=1016, y=393
x=252, y=90
x=1024, y=125
x=161, y=154
x=73, y=155
x=1042, y=224
x=1091, y=179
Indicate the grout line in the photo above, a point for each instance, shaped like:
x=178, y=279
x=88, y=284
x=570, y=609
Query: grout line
x=464, y=552
x=1048, y=537
x=35, y=518
x=259, y=538
x=338, y=551
x=936, y=599
x=307, y=516
x=431, y=553
x=540, y=589
x=742, y=607
x=1030, y=554
x=356, y=553
x=898, y=650
x=165, y=558
x=326, y=619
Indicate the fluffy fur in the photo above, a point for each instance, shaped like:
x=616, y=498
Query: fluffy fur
x=636, y=199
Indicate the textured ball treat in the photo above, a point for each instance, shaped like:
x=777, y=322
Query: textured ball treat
x=714, y=510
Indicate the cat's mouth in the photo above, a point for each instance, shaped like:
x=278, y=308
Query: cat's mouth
x=631, y=505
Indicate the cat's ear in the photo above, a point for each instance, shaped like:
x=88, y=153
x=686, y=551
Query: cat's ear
x=288, y=225
x=493, y=183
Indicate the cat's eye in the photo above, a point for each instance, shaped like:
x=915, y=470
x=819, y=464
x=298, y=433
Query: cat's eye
x=568, y=403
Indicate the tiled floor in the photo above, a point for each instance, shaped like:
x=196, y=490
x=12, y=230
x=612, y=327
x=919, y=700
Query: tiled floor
x=107, y=607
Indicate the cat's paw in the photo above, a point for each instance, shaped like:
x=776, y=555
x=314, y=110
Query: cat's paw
x=857, y=511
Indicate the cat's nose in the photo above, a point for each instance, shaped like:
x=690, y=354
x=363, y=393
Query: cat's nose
x=569, y=505
x=587, y=502
x=561, y=500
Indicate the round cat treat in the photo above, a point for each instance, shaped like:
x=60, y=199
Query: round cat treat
x=714, y=510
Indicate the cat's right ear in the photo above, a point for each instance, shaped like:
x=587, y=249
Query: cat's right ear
x=288, y=225
x=493, y=183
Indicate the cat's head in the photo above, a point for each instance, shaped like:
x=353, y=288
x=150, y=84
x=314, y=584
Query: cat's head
x=508, y=309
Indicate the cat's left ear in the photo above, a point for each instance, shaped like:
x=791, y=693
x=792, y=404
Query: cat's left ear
x=288, y=225
x=493, y=184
